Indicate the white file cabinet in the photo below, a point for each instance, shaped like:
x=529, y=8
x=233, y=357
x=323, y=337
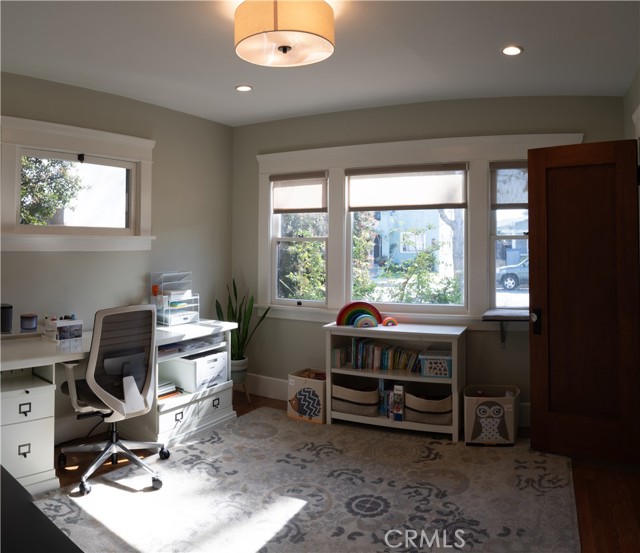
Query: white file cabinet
x=203, y=376
x=27, y=428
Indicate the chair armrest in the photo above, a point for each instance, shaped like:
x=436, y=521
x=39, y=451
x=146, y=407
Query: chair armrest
x=71, y=382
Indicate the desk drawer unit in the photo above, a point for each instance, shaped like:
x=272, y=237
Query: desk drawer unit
x=176, y=418
x=196, y=372
x=26, y=405
x=215, y=404
x=27, y=448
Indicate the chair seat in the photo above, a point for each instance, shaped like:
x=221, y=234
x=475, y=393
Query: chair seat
x=85, y=394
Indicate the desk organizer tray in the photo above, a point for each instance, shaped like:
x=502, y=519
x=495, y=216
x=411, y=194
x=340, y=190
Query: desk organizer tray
x=356, y=396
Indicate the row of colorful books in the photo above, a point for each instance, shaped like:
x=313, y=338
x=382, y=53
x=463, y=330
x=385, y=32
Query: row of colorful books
x=374, y=355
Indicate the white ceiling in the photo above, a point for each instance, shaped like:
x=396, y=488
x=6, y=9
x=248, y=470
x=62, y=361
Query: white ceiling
x=180, y=54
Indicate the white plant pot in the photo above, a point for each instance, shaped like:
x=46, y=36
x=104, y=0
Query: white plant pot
x=239, y=370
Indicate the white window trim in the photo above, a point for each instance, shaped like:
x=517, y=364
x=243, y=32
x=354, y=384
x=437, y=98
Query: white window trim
x=25, y=133
x=477, y=151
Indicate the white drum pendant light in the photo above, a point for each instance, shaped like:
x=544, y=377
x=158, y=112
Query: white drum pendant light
x=284, y=33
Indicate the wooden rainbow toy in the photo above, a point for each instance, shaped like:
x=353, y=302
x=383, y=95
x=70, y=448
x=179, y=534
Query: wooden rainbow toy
x=351, y=311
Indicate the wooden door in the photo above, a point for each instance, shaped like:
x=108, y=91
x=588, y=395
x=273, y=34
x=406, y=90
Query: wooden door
x=584, y=294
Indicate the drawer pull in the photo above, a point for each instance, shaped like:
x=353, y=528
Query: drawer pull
x=179, y=416
x=24, y=450
x=24, y=408
x=216, y=403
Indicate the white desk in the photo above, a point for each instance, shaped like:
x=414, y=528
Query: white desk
x=28, y=383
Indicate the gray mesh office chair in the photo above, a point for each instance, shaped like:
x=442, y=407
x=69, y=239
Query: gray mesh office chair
x=119, y=383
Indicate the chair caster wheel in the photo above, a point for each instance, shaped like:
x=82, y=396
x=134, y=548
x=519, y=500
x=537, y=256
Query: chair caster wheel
x=85, y=488
x=156, y=483
x=62, y=460
x=164, y=453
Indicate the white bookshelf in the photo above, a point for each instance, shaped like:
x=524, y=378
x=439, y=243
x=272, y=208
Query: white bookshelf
x=414, y=336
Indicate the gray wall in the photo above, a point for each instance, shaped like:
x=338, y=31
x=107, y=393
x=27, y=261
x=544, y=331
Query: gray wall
x=281, y=347
x=191, y=205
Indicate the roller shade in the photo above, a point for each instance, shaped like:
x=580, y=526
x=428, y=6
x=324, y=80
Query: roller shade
x=408, y=187
x=299, y=193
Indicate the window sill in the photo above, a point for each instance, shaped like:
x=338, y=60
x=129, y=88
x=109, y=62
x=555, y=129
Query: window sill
x=49, y=243
x=326, y=316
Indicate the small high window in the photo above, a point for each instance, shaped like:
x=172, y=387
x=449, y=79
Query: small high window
x=74, y=189
x=59, y=191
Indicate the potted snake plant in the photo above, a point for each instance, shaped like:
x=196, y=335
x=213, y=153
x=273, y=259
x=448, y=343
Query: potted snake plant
x=239, y=310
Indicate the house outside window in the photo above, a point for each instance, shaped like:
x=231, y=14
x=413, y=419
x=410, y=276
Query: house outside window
x=408, y=234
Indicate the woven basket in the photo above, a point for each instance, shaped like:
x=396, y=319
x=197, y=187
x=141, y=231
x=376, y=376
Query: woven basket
x=356, y=396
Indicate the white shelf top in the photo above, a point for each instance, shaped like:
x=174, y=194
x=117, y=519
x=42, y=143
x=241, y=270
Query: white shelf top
x=399, y=331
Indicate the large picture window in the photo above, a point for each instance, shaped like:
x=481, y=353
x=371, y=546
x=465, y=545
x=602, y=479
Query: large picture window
x=408, y=234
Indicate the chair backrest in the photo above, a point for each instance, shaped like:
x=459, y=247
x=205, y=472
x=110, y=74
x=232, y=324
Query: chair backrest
x=122, y=361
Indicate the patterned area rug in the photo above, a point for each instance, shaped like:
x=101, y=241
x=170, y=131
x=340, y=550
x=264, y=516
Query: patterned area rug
x=268, y=483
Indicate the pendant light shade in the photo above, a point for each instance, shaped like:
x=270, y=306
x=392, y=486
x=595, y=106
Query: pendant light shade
x=284, y=33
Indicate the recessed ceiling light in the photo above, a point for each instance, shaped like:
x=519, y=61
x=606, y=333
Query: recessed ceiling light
x=244, y=88
x=512, y=50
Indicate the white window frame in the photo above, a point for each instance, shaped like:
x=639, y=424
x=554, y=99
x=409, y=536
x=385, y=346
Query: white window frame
x=494, y=237
x=22, y=135
x=477, y=152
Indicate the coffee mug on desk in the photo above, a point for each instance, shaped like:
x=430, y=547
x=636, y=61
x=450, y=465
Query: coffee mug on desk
x=28, y=322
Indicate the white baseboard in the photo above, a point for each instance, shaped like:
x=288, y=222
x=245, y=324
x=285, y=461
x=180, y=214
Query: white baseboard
x=276, y=388
x=266, y=386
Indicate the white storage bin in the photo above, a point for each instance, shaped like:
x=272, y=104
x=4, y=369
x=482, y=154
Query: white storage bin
x=196, y=372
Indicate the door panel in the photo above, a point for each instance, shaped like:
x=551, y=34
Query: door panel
x=583, y=212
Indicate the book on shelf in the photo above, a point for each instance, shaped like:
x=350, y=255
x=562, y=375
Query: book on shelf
x=169, y=394
x=340, y=356
x=166, y=387
x=168, y=349
x=396, y=403
x=374, y=355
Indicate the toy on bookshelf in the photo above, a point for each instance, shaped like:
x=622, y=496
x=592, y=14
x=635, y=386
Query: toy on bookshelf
x=396, y=403
x=352, y=311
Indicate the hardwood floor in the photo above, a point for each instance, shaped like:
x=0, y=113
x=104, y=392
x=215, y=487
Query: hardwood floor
x=607, y=496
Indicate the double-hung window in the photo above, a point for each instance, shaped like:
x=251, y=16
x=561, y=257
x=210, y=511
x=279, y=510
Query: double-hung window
x=431, y=230
x=408, y=234
x=300, y=229
x=509, y=233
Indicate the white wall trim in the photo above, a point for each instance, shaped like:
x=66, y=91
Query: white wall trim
x=51, y=243
x=266, y=386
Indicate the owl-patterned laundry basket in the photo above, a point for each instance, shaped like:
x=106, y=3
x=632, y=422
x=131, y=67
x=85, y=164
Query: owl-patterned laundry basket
x=491, y=414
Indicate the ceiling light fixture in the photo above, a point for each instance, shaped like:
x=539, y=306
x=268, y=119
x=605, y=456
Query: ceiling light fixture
x=244, y=88
x=284, y=33
x=512, y=50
